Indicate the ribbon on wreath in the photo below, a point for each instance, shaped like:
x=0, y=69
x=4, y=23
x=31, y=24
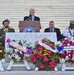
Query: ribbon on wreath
x=15, y=45
x=47, y=47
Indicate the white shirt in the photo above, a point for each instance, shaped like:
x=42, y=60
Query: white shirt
x=67, y=33
x=51, y=29
x=32, y=18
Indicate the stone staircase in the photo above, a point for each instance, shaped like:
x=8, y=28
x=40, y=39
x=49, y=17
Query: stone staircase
x=60, y=11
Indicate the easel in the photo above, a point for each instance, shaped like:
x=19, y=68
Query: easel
x=12, y=64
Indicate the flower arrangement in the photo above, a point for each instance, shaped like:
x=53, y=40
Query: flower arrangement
x=16, y=54
x=2, y=52
x=67, y=49
x=44, y=58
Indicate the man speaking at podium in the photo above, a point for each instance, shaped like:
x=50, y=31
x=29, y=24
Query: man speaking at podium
x=31, y=16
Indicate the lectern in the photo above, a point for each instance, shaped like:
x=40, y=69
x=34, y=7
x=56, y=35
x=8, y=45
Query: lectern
x=32, y=24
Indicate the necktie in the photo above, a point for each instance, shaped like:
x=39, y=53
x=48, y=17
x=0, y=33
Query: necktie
x=30, y=18
x=51, y=30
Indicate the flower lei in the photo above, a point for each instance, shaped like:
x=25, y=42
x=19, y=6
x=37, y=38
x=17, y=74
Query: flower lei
x=6, y=29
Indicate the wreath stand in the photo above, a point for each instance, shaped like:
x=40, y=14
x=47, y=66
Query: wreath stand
x=64, y=66
x=1, y=66
x=55, y=69
x=12, y=64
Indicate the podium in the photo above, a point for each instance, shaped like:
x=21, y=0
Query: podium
x=33, y=24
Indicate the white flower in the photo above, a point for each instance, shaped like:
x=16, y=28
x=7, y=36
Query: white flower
x=16, y=50
x=72, y=40
x=19, y=58
x=27, y=55
x=10, y=56
x=68, y=44
x=20, y=52
x=66, y=58
x=9, y=49
x=16, y=56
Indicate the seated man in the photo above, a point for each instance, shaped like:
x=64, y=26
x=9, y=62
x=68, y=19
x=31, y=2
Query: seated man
x=5, y=29
x=31, y=16
x=53, y=29
x=69, y=32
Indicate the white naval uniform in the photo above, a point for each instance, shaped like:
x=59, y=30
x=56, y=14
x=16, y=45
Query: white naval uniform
x=67, y=33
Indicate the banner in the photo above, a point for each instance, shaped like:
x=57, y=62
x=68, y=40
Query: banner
x=28, y=38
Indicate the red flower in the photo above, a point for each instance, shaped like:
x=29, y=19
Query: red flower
x=56, y=59
x=67, y=42
x=64, y=54
x=69, y=54
x=34, y=59
x=49, y=52
x=41, y=66
x=39, y=55
x=71, y=43
x=64, y=44
x=72, y=51
x=45, y=59
x=70, y=59
x=52, y=65
x=40, y=48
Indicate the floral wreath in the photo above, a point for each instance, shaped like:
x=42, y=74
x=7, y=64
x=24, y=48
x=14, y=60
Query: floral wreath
x=2, y=51
x=66, y=47
x=44, y=58
x=16, y=54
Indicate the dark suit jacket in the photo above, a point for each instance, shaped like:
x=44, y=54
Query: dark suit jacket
x=35, y=18
x=26, y=18
x=2, y=34
x=59, y=37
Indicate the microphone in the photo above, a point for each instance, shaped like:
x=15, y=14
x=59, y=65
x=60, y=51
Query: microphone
x=29, y=18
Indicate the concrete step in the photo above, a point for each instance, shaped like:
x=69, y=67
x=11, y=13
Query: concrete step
x=60, y=11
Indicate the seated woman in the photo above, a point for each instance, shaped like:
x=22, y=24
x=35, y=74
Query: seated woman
x=4, y=29
x=69, y=32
